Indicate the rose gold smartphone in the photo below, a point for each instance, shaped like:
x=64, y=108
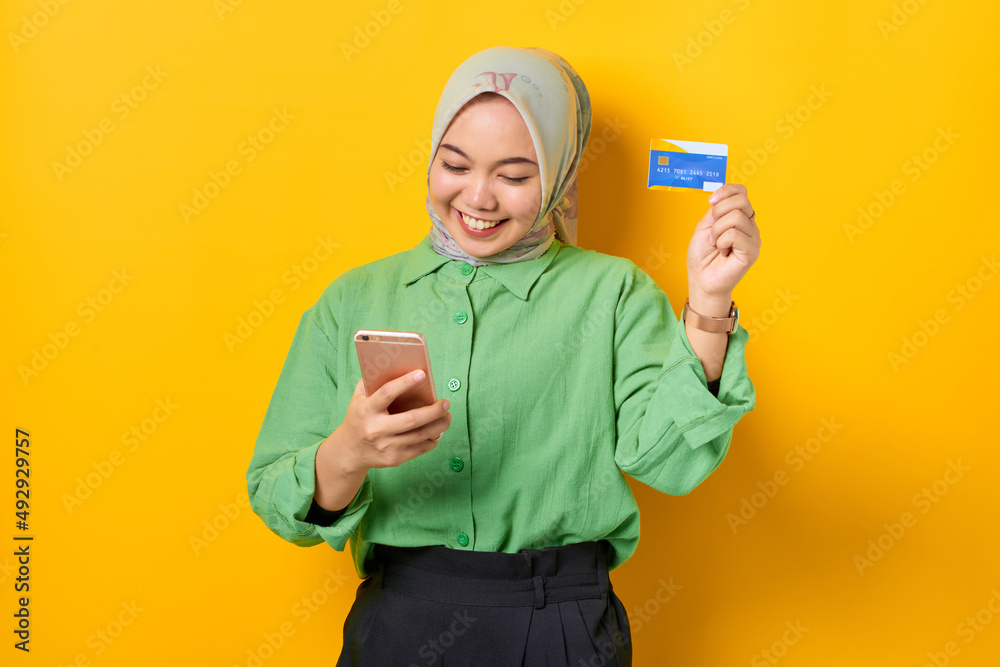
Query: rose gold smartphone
x=387, y=355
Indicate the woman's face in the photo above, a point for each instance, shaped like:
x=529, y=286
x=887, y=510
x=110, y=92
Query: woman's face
x=485, y=174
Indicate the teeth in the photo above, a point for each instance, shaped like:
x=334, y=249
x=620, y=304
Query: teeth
x=476, y=223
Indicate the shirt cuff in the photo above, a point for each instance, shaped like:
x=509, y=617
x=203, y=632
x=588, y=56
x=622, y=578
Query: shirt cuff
x=700, y=414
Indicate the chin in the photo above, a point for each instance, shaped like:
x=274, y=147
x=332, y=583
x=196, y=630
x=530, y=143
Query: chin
x=478, y=249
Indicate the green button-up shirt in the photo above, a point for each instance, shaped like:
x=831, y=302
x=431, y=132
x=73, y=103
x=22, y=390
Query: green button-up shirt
x=562, y=372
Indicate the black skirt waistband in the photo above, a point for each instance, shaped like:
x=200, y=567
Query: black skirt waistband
x=531, y=577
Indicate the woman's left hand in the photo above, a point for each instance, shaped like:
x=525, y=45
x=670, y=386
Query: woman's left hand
x=725, y=243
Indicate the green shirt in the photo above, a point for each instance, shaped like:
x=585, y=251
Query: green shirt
x=562, y=372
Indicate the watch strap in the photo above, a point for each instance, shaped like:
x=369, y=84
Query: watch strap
x=711, y=324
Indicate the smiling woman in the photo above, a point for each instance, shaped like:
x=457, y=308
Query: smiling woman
x=487, y=194
x=485, y=525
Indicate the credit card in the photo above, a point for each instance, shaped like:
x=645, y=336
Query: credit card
x=686, y=165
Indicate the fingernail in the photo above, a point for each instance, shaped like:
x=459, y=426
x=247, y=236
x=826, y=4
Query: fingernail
x=713, y=198
x=418, y=376
x=447, y=406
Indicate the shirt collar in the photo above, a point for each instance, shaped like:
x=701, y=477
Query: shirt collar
x=517, y=277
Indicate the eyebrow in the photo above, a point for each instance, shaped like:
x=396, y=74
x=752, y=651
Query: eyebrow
x=507, y=160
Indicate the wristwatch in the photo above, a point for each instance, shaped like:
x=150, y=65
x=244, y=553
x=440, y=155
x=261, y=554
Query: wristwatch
x=712, y=324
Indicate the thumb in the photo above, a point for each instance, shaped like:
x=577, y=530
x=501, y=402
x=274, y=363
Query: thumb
x=359, y=389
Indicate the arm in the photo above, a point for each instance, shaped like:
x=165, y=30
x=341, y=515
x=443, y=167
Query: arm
x=708, y=346
x=672, y=431
x=335, y=486
x=726, y=242
x=281, y=478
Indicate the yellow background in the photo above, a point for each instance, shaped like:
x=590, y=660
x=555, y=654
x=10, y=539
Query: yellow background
x=832, y=302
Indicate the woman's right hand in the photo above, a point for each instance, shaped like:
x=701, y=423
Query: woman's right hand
x=370, y=437
x=374, y=438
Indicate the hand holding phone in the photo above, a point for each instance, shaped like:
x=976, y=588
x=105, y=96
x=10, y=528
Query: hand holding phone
x=394, y=415
x=387, y=355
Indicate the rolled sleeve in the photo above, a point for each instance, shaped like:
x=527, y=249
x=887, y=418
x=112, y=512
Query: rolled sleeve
x=281, y=477
x=672, y=431
x=700, y=416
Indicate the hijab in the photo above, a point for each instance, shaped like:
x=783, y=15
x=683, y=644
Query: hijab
x=555, y=105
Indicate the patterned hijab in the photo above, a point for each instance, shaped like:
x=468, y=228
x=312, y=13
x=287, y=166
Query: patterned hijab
x=555, y=105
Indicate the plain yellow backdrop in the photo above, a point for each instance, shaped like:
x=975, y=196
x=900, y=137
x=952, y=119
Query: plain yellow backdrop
x=181, y=180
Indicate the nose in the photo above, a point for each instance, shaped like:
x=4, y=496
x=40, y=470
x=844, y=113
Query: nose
x=478, y=193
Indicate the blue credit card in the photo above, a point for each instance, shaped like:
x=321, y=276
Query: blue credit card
x=686, y=165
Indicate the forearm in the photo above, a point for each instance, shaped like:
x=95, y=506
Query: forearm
x=337, y=482
x=710, y=347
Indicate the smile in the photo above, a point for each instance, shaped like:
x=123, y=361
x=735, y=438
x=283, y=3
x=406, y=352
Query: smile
x=476, y=223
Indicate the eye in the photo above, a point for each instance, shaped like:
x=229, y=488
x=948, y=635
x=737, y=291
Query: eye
x=452, y=168
x=516, y=181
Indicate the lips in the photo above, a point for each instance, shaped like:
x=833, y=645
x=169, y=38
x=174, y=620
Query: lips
x=478, y=224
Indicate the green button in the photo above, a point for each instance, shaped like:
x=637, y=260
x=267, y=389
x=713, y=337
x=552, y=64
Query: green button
x=466, y=270
x=463, y=539
x=454, y=384
x=461, y=317
x=457, y=464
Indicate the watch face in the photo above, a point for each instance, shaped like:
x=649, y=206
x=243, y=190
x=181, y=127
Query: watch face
x=736, y=322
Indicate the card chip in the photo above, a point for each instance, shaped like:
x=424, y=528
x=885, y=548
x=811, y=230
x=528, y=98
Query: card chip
x=664, y=159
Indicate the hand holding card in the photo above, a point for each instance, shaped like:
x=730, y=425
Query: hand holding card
x=726, y=242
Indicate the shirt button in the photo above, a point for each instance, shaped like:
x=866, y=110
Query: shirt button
x=454, y=384
x=457, y=464
x=466, y=270
x=461, y=317
x=463, y=539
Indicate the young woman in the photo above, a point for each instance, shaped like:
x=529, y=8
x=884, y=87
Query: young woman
x=484, y=526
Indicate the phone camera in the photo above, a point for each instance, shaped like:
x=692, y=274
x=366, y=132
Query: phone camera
x=364, y=338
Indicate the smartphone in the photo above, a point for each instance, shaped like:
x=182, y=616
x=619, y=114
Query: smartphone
x=387, y=355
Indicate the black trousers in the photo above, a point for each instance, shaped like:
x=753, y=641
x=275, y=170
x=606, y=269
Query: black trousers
x=437, y=606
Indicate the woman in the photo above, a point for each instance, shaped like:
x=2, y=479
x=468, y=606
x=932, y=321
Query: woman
x=484, y=525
